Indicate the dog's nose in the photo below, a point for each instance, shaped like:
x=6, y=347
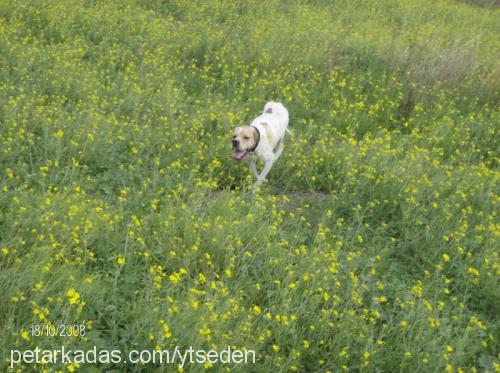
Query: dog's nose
x=235, y=142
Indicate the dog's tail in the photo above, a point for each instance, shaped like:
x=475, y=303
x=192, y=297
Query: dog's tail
x=277, y=108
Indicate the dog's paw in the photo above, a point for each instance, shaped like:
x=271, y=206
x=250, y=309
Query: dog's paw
x=258, y=184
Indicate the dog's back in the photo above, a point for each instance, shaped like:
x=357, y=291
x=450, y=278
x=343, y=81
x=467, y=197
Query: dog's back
x=273, y=122
x=277, y=108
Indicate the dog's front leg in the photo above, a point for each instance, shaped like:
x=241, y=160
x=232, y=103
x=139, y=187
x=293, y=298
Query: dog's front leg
x=251, y=165
x=265, y=171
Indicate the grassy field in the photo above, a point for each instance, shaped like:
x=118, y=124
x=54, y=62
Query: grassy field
x=373, y=247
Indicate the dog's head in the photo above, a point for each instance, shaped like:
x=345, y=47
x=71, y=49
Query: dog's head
x=245, y=139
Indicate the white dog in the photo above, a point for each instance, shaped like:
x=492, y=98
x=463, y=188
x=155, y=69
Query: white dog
x=262, y=139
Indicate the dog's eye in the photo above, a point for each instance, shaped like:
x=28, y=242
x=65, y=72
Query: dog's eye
x=246, y=137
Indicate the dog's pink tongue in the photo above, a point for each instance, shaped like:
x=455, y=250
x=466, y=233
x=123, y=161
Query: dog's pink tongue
x=239, y=155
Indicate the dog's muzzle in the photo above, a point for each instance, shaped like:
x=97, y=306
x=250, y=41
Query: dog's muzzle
x=237, y=153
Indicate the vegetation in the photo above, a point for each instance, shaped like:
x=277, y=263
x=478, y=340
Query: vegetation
x=372, y=247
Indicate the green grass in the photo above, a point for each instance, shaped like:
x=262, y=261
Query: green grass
x=374, y=244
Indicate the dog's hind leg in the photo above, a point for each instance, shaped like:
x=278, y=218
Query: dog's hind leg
x=278, y=150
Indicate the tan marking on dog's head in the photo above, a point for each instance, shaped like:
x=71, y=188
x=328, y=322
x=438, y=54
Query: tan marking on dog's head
x=244, y=138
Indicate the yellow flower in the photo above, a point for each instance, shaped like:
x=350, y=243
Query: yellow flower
x=166, y=330
x=473, y=271
x=195, y=304
x=204, y=331
x=73, y=295
x=202, y=278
